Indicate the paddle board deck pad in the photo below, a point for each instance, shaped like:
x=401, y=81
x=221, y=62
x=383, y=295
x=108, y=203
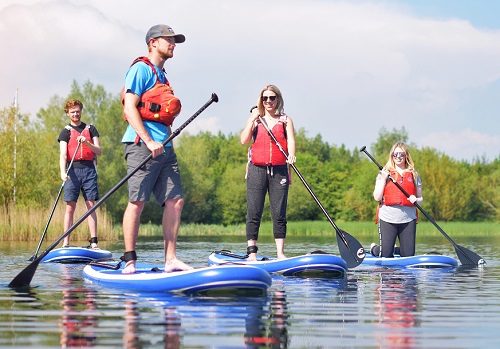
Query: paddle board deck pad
x=76, y=255
x=230, y=279
x=309, y=265
x=419, y=261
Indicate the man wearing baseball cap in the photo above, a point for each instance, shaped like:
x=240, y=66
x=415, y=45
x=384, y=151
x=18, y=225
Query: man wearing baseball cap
x=159, y=30
x=149, y=124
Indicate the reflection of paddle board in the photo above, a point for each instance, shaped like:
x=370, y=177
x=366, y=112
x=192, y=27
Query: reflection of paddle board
x=419, y=261
x=310, y=265
x=148, y=278
x=76, y=255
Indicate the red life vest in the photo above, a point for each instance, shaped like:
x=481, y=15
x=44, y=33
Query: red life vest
x=84, y=152
x=393, y=196
x=264, y=150
x=158, y=103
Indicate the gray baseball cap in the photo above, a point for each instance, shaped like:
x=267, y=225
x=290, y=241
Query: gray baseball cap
x=163, y=30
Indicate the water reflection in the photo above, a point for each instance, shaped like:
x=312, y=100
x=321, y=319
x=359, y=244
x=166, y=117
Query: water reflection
x=375, y=308
x=273, y=331
x=78, y=317
x=396, y=304
x=169, y=324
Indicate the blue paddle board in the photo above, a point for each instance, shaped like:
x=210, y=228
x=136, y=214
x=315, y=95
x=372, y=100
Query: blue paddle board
x=419, y=261
x=148, y=278
x=309, y=265
x=76, y=255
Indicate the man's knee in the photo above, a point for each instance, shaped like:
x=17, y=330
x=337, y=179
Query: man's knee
x=70, y=206
x=176, y=203
x=135, y=206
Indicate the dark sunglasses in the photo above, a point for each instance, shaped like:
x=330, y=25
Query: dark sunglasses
x=399, y=154
x=268, y=98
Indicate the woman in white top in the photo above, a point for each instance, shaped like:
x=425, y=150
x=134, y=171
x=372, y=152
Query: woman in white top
x=397, y=214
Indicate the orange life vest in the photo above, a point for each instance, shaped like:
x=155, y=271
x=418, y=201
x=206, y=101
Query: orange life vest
x=158, y=103
x=264, y=151
x=393, y=196
x=84, y=152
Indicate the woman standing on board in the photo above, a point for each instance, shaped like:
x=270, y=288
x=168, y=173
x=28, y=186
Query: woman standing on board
x=267, y=170
x=397, y=214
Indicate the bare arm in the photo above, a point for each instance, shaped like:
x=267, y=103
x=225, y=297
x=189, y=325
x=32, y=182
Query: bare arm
x=380, y=182
x=290, y=138
x=418, y=198
x=96, y=148
x=63, y=157
x=246, y=134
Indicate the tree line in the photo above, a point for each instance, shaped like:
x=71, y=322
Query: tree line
x=213, y=169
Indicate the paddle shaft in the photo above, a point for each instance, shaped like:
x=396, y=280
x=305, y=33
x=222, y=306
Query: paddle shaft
x=463, y=250
x=24, y=278
x=54, y=206
x=325, y=212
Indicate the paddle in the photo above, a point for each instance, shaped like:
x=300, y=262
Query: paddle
x=466, y=256
x=54, y=206
x=350, y=248
x=24, y=278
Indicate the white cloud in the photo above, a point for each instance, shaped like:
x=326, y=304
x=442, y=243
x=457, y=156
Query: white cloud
x=346, y=69
x=203, y=123
x=464, y=144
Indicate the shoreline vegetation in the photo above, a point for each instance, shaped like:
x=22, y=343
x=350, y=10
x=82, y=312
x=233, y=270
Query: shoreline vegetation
x=27, y=224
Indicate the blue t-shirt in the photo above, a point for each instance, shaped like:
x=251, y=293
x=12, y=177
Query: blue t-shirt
x=139, y=79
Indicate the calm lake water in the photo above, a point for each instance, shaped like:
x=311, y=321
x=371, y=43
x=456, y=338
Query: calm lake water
x=373, y=308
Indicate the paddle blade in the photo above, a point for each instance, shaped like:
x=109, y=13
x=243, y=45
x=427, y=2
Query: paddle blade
x=467, y=257
x=350, y=249
x=24, y=278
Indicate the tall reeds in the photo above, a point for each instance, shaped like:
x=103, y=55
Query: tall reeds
x=27, y=224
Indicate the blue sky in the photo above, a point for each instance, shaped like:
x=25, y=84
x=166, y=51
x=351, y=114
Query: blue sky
x=481, y=14
x=347, y=69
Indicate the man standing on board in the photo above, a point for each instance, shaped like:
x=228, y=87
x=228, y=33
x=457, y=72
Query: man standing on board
x=80, y=142
x=150, y=107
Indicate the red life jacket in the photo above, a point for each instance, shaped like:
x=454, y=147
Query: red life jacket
x=158, y=103
x=393, y=196
x=84, y=152
x=264, y=150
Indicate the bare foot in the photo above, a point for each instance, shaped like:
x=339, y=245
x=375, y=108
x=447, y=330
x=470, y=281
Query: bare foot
x=281, y=256
x=252, y=257
x=176, y=265
x=129, y=268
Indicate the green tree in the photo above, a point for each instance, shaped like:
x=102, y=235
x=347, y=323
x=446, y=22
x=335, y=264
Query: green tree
x=386, y=140
x=231, y=195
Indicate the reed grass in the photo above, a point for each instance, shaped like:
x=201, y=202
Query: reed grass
x=27, y=224
x=323, y=228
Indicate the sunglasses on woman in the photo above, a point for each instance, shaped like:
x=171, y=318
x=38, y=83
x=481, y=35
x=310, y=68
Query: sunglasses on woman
x=268, y=98
x=399, y=154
